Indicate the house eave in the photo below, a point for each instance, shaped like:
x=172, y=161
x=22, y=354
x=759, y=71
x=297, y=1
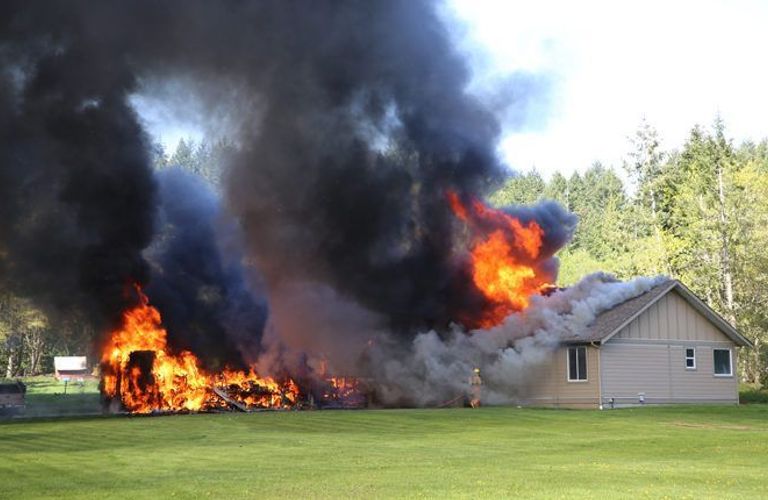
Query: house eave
x=572, y=342
x=726, y=328
x=723, y=325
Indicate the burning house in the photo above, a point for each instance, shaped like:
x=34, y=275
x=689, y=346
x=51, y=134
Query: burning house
x=346, y=255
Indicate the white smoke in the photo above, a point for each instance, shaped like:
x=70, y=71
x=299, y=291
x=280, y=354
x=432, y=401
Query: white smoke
x=433, y=370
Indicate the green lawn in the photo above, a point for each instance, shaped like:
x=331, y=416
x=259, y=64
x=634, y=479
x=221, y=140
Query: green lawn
x=47, y=384
x=46, y=396
x=692, y=452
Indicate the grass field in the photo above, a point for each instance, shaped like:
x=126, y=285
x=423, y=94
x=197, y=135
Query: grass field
x=677, y=452
x=46, y=397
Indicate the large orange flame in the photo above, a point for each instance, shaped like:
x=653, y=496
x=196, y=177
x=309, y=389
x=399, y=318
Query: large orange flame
x=141, y=370
x=504, y=253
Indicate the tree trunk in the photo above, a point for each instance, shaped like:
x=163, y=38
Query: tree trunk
x=725, y=255
x=9, y=368
x=756, y=367
x=36, y=346
x=34, y=359
x=657, y=230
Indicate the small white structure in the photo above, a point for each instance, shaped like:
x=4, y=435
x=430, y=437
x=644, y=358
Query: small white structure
x=71, y=367
x=663, y=346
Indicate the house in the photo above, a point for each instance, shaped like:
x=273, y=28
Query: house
x=70, y=367
x=663, y=346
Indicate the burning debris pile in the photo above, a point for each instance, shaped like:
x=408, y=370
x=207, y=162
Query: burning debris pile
x=345, y=256
x=142, y=373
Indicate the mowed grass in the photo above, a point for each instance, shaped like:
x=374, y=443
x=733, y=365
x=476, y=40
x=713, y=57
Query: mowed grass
x=47, y=396
x=678, y=452
x=47, y=384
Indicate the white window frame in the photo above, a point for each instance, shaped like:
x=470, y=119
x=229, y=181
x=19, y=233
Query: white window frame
x=568, y=364
x=730, y=362
x=685, y=352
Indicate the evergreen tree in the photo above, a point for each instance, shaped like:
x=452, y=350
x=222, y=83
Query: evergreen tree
x=557, y=189
x=520, y=190
x=646, y=171
x=185, y=156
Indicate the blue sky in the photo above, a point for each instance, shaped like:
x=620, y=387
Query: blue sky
x=612, y=63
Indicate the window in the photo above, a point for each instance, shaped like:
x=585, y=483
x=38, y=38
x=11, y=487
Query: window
x=690, y=358
x=722, y=362
x=577, y=364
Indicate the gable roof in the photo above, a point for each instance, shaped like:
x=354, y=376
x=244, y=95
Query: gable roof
x=610, y=322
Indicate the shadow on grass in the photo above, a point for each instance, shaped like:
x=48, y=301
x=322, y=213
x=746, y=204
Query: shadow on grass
x=48, y=397
x=41, y=405
x=46, y=384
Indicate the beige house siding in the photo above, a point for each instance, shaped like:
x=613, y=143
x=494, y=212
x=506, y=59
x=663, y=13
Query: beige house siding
x=644, y=361
x=671, y=318
x=550, y=386
x=648, y=357
x=657, y=371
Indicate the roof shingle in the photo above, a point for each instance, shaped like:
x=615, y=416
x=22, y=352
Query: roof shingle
x=609, y=320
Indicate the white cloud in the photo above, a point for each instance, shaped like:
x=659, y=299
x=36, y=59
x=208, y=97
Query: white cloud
x=675, y=63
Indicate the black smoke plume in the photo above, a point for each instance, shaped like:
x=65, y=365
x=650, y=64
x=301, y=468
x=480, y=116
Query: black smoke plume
x=353, y=124
x=198, y=282
x=76, y=193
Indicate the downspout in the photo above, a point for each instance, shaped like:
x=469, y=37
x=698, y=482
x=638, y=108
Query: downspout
x=599, y=375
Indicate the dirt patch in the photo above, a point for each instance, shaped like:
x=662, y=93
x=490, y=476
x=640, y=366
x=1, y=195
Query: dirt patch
x=712, y=427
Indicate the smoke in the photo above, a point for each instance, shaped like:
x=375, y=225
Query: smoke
x=198, y=280
x=76, y=194
x=431, y=370
x=334, y=237
x=346, y=183
x=354, y=121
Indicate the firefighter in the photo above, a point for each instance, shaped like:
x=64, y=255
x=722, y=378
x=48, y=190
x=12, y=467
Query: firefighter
x=475, y=388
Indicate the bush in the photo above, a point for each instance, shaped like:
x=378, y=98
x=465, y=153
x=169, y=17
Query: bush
x=752, y=395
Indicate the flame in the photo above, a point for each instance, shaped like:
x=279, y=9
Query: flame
x=141, y=370
x=342, y=387
x=345, y=391
x=257, y=392
x=504, y=253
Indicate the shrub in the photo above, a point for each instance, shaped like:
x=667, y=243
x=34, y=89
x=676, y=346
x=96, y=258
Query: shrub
x=751, y=395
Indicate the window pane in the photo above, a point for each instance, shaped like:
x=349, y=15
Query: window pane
x=572, y=363
x=722, y=362
x=689, y=363
x=582, y=353
x=689, y=353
